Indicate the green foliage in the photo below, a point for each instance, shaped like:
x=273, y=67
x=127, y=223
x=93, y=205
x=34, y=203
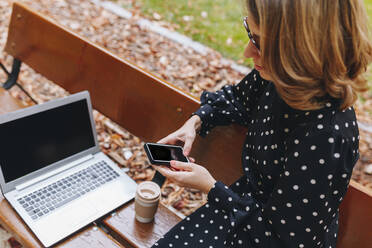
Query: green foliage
x=215, y=23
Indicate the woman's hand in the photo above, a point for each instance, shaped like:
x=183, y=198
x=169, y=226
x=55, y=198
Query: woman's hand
x=185, y=135
x=188, y=175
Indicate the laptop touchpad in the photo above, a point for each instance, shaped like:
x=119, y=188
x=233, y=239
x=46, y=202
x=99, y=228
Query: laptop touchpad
x=71, y=215
x=80, y=211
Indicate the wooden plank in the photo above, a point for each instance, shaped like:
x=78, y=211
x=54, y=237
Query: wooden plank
x=132, y=97
x=125, y=228
x=90, y=237
x=11, y=221
x=355, y=220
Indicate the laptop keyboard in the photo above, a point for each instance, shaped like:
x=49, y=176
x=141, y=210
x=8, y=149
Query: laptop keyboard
x=45, y=200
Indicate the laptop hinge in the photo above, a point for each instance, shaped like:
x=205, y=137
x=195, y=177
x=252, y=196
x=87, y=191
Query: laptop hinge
x=52, y=173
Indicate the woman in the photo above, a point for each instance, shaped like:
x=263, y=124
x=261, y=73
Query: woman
x=302, y=140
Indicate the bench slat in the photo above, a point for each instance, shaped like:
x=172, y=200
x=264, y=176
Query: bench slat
x=355, y=220
x=125, y=228
x=11, y=221
x=91, y=236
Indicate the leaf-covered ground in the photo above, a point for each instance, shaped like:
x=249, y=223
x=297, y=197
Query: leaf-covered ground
x=171, y=61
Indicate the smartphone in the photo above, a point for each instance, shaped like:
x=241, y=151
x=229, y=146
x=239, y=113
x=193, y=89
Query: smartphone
x=160, y=154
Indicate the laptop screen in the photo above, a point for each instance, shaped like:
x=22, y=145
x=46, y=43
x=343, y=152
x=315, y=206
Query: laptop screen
x=33, y=142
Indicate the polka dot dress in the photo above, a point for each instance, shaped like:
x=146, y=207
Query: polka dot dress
x=297, y=166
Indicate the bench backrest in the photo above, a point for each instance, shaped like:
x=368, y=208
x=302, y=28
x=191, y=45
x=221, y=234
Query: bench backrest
x=135, y=99
x=145, y=105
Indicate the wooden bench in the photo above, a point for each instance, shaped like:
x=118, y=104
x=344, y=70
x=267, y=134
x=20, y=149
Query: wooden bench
x=149, y=108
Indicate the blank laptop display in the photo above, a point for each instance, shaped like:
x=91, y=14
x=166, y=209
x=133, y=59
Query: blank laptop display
x=36, y=141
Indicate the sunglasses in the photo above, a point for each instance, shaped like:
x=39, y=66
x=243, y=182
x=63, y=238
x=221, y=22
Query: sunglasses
x=254, y=41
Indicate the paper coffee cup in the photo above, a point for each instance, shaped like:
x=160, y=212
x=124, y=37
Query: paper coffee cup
x=146, y=201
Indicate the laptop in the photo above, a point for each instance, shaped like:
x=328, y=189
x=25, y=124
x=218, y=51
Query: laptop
x=52, y=170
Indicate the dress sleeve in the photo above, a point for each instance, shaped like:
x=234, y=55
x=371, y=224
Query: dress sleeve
x=306, y=196
x=231, y=104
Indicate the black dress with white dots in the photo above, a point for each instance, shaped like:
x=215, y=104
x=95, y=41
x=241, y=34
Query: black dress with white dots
x=297, y=166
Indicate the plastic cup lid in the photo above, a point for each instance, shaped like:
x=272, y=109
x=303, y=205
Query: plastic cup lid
x=148, y=190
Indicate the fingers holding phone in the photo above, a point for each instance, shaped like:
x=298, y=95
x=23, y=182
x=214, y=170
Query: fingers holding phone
x=162, y=154
x=184, y=136
x=170, y=161
x=189, y=175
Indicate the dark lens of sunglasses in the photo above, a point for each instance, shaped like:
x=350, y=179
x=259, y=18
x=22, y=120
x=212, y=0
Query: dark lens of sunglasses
x=250, y=36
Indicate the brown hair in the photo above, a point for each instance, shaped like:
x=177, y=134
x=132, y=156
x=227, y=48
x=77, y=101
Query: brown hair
x=314, y=49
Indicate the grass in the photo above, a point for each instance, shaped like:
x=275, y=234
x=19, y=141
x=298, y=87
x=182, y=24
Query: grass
x=368, y=4
x=215, y=23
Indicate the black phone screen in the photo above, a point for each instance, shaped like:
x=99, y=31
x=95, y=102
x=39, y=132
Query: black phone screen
x=167, y=153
